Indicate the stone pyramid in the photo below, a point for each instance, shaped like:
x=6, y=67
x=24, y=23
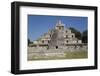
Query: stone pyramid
x=57, y=37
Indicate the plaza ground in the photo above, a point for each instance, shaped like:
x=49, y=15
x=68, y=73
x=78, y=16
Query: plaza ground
x=43, y=54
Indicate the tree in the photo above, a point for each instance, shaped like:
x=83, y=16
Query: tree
x=77, y=33
x=85, y=36
x=29, y=42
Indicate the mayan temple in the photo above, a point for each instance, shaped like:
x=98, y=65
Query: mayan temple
x=58, y=37
x=55, y=43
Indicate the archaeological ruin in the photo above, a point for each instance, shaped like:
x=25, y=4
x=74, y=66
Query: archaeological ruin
x=59, y=37
x=55, y=43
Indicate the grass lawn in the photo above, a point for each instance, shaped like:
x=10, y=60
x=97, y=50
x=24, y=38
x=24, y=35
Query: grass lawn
x=68, y=55
x=76, y=55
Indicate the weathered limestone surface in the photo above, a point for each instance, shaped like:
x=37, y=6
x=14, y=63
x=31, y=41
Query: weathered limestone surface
x=57, y=40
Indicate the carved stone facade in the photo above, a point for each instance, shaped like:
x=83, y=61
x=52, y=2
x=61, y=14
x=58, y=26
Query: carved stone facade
x=58, y=37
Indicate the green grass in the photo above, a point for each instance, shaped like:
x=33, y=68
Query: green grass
x=76, y=55
x=68, y=55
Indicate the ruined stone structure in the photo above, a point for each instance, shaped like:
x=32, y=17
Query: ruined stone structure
x=58, y=37
x=55, y=43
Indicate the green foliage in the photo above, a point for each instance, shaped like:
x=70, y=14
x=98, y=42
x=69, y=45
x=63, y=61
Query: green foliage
x=29, y=42
x=77, y=33
x=85, y=36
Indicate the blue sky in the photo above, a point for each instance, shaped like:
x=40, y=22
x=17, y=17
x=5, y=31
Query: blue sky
x=39, y=24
